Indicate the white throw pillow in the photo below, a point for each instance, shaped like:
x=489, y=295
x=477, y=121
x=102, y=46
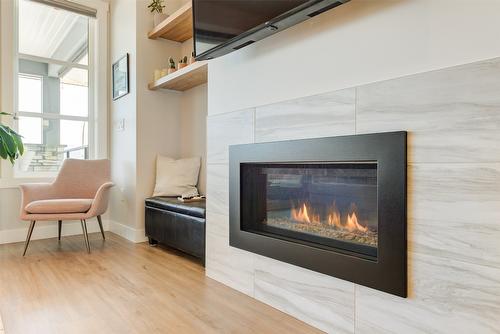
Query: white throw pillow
x=176, y=177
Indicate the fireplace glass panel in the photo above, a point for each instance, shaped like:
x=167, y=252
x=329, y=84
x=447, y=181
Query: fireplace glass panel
x=325, y=205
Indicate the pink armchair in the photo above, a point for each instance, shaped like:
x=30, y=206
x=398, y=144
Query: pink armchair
x=79, y=192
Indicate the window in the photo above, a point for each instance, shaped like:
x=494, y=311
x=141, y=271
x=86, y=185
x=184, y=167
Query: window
x=54, y=100
x=30, y=93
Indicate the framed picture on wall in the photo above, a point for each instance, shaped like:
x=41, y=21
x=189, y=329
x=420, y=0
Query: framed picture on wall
x=120, y=77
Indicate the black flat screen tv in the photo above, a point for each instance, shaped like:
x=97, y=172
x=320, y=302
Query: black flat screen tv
x=222, y=26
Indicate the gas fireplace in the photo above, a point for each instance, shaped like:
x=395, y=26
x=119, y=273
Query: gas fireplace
x=318, y=204
x=335, y=205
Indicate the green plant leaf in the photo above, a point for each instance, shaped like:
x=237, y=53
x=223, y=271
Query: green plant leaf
x=9, y=142
x=3, y=150
x=19, y=142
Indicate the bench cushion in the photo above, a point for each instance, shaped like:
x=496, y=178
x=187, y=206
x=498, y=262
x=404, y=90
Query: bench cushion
x=73, y=205
x=193, y=209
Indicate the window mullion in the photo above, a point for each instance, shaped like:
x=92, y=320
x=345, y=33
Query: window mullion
x=53, y=61
x=52, y=116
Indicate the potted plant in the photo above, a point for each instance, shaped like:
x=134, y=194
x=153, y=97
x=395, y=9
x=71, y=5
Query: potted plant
x=182, y=62
x=171, y=68
x=192, y=59
x=156, y=7
x=11, y=144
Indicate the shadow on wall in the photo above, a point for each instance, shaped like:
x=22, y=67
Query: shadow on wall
x=346, y=14
x=122, y=197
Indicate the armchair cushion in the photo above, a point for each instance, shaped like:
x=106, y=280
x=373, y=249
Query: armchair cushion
x=55, y=206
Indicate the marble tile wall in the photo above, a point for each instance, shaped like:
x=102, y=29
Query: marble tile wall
x=453, y=119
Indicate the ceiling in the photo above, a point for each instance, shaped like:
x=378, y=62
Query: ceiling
x=49, y=32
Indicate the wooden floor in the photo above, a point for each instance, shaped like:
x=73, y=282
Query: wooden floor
x=122, y=287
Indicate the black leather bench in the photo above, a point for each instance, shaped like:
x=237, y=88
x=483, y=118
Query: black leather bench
x=176, y=224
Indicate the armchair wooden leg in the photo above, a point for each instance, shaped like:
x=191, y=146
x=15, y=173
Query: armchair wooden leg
x=85, y=234
x=28, y=237
x=100, y=226
x=60, y=229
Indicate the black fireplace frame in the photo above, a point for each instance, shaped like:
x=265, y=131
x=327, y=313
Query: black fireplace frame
x=388, y=272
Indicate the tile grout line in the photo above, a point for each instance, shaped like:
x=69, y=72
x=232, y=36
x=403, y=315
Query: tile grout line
x=355, y=110
x=465, y=163
x=254, y=125
x=433, y=163
x=354, y=309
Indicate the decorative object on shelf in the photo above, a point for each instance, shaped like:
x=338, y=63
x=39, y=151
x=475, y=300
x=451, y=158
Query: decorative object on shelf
x=11, y=144
x=192, y=59
x=120, y=77
x=157, y=75
x=164, y=72
x=182, y=62
x=177, y=27
x=156, y=7
x=189, y=77
x=171, y=68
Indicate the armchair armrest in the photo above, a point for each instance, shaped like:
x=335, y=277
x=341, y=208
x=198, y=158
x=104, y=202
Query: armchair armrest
x=100, y=202
x=34, y=192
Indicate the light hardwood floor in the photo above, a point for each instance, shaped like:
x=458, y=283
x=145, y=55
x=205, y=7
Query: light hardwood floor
x=122, y=287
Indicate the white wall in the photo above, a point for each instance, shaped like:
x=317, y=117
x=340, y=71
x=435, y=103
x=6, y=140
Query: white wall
x=154, y=121
x=123, y=144
x=158, y=112
x=266, y=92
x=193, y=129
x=360, y=42
x=193, y=121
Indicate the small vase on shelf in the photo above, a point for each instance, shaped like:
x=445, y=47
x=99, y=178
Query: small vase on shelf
x=171, y=68
x=182, y=62
x=156, y=7
x=192, y=59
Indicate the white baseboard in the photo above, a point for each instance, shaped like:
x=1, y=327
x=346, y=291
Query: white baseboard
x=127, y=232
x=46, y=230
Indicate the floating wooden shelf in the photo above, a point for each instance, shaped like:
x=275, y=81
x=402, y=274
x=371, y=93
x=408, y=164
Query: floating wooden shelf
x=186, y=78
x=177, y=27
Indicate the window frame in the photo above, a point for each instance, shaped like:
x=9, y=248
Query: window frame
x=98, y=80
x=53, y=116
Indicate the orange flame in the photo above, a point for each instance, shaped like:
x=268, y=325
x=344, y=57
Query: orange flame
x=353, y=225
x=305, y=214
x=334, y=216
x=302, y=215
